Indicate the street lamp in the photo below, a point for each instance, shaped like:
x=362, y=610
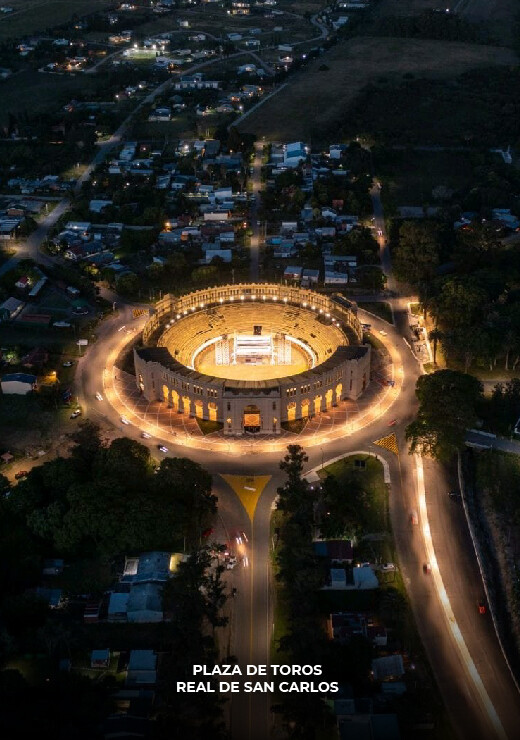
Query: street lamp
x=321, y=448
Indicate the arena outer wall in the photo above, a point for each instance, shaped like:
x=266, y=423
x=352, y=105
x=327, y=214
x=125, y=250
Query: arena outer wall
x=342, y=374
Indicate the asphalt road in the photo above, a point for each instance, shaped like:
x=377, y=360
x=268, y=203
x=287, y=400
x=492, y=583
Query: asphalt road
x=250, y=718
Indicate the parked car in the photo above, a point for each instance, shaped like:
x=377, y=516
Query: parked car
x=99, y=397
x=145, y=435
x=388, y=567
x=124, y=420
x=163, y=449
x=21, y=474
x=75, y=414
x=427, y=569
x=69, y=363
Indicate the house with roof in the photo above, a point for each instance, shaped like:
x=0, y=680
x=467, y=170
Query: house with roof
x=100, y=658
x=388, y=667
x=145, y=603
x=294, y=154
x=10, y=308
x=18, y=384
x=142, y=668
x=369, y=727
x=23, y=282
x=339, y=551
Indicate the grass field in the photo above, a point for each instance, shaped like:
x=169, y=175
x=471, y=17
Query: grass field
x=30, y=16
x=373, y=509
x=315, y=100
x=41, y=92
x=380, y=308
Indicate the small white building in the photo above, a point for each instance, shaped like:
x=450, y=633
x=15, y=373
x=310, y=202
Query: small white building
x=18, y=384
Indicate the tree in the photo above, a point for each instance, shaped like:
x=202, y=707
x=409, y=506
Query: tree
x=434, y=336
x=447, y=408
x=128, y=285
x=416, y=257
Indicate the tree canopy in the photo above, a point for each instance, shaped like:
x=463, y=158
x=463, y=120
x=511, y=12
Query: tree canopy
x=106, y=499
x=447, y=407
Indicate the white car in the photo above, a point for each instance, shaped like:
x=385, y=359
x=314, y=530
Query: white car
x=388, y=567
x=145, y=435
x=124, y=420
x=163, y=449
x=99, y=397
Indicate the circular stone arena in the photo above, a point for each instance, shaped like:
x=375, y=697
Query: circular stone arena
x=251, y=357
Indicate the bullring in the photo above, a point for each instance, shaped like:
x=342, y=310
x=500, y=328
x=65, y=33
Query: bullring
x=252, y=356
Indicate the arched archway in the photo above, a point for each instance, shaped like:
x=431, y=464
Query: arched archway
x=212, y=411
x=328, y=398
x=305, y=408
x=252, y=419
x=199, y=409
x=339, y=391
x=317, y=404
x=175, y=400
x=166, y=394
x=291, y=411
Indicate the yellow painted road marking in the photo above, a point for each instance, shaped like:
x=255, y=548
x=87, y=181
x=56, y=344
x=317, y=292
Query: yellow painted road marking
x=248, y=489
x=389, y=443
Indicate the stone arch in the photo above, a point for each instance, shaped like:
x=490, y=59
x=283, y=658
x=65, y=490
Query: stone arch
x=199, y=409
x=339, y=391
x=186, y=405
x=291, y=411
x=166, y=394
x=328, y=398
x=212, y=411
x=175, y=400
x=305, y=407
x=317, y=404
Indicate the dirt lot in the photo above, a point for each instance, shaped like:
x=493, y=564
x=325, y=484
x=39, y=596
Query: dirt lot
x=37, y=15
x=315, y=98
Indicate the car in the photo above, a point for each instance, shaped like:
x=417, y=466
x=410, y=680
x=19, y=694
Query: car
x=21, y=474
x=454, y=494
x=414, y=518
x=163, y=449
x=388, y=567
x=380, y=232
x=393, y=422
x=99, y=397
x=75, y=414
x=81, y=311
x=69, y=363
x=481, y=607
x=382, y=332
x=366, y=327
x=145, y=435
x=124, y=420
x=427, y=569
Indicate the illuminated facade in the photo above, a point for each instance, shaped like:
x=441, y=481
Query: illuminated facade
x=252, y=336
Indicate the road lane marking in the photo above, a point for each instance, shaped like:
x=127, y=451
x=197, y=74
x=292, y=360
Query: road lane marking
x=447, y=608
x=248, y=489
